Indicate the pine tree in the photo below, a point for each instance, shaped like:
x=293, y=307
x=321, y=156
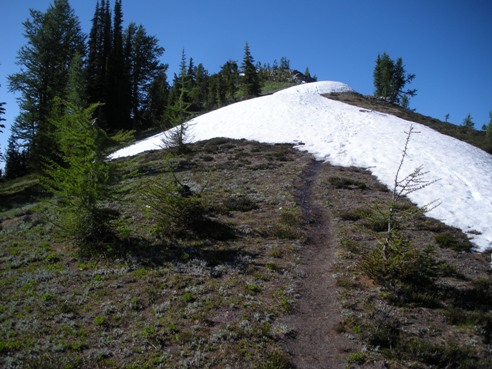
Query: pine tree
x=468, y=124
x=390, y=79
x=16, y=160
x=77, y=82
x=118, y=95
x=488, y=129
x=142, y=53
x=156, y=103
x=199, y=91
x=228, y=83
x=53, y=38
x=250, y=85
x=100, y=47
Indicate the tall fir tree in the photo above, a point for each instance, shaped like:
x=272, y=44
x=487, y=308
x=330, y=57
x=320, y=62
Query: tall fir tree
x=100, y=46
x=118, y=88
x=250, y=84
x=156, y=103
x=53, y=38
x=16, y=160
x=143, y=57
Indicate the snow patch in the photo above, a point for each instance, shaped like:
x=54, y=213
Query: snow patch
x=344, y=135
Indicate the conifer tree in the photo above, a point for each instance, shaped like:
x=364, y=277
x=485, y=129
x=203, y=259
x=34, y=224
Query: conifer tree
x=16, y=160
x=227, y=84
x=118, y=95
x=390, y=79
x=250, y=84
x=77, y=82
x=468, y=123
x=80, y=178
x=142, y=54
x=100, y=47
x=156, y=103
x=53, y=38
x=488, y=129
x=2, y=112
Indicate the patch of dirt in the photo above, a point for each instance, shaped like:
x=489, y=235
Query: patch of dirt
x=315, y=342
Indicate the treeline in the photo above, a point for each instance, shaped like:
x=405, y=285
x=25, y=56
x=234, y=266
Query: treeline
x=121, y=70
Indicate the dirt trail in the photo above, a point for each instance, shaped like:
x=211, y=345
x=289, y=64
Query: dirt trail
x=316, y=344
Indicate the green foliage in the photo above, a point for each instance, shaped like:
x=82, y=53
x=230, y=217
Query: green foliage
x=407, y=273
x=488, y=129
x=468, y=124
x=357, y=358
x=179, y=212
x=80, y=178
x=276, y=360
x=452, y=241
x=53, y=38
x=346, y=183
x=390, y=79
x=250, y=84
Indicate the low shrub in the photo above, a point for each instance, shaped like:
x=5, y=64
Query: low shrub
x=451, y=241
x=407, y=273
x=346, y=183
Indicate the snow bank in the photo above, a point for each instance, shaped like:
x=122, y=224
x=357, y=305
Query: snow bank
x=349, y=136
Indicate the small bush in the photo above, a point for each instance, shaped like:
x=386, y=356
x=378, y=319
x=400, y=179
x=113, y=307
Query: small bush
x=407, y=273
x=383, y=330
x=451, y=241
x=240, y=203
x=179, y=212
x=346, y=183
x=276, y=360
x=357, y=358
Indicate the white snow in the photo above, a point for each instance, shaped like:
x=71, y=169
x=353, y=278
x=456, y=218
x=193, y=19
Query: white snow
x=350, y=136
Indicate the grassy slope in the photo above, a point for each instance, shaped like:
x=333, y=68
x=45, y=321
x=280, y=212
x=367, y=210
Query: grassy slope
x=211, y=303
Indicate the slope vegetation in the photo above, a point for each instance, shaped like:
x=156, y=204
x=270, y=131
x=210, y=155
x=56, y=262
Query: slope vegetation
x=242, y=296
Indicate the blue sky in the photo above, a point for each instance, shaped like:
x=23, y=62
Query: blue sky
x=446, y=43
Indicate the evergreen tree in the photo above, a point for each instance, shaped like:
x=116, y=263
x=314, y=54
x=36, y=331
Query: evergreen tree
x=180, y=102
x=77, y=86
x=142, y=53
x=118, y=95
x=156, y=103
x=53, y=38
x=100, y=47
x=250, y=85
x=228, y=84
x=2, y=112
x=80, y=179
x=468, y=123
x=488, y=129
x=16, y=160
x=179, y=95
x=390, y=79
